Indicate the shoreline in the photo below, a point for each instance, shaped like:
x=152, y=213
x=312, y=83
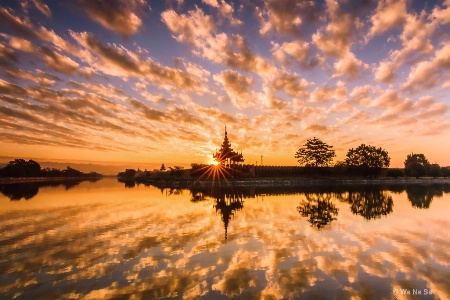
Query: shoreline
x=13, y=180
x=287, y=182
x=172, y=182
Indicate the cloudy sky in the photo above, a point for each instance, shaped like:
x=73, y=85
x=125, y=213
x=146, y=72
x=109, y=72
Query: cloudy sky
x=153, y=81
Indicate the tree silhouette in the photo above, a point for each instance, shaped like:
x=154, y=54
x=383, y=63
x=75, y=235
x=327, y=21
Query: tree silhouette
x=445, y=171
x=163, y=168
x=315, y=153
x=434, y=170
x=319, y=208
x=395, y=173
x=21, y=168
x=416, y=165
x=367, y=160
x=176, y=171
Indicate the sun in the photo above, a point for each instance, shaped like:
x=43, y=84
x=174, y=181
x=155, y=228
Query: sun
x=215, y=163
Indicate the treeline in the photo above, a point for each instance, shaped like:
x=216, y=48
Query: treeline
x=176, y=171
x=31, y=168
x=365, y=160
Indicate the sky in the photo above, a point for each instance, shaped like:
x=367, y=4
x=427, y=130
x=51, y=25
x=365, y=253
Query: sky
x=157, y=81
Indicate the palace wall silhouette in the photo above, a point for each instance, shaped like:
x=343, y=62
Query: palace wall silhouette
x=270, y=171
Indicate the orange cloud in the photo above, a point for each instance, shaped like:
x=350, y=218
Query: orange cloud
x=389, y=14
x=287, y=17
x=42, y=7
x=428, y=74
x=115, y=15
x=198, y=29
x=291, y=84
x=237, y=86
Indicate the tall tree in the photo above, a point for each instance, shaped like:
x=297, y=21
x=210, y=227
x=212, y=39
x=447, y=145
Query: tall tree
x=21, y=168
x=416, y=165
x=434, y=170
x=368, y=160
x=315, y=153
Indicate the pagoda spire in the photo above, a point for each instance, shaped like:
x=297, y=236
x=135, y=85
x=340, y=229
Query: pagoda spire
x=226, y=154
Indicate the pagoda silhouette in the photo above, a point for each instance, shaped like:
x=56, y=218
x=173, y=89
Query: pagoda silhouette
x=226, y=156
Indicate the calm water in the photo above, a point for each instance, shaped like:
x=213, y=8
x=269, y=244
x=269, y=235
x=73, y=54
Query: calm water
x=96, y=240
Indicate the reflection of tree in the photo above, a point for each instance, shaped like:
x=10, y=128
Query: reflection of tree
x=27, y=190
x=20, y=190
x=70, y=184
x=174, y=191
x=197, y=195
x=370, y=203
x=319, y=208
x=128, y=183
x=421, y=195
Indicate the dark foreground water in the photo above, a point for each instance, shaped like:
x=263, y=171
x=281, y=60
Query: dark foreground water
x=96, y=240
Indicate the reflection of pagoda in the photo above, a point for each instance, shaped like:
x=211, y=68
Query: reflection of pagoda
x=226, y=155
x=226, y=205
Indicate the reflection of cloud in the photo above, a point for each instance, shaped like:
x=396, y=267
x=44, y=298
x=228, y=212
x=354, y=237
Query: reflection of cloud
x=242, y=276
x=95, y=245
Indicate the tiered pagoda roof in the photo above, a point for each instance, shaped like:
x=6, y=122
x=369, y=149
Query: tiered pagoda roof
x=226, y=155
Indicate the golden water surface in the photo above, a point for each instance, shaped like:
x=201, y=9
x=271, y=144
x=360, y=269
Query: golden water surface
x=96, y=240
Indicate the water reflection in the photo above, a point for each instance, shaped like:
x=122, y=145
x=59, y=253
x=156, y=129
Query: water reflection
x=319, y=208
x=20, y=191
x=226, y=205
x=421, y=196
x=28, y=190
x=370, y=203
x=127, y=183
x=316, y=204
x=227, y=200
x=111, y=242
